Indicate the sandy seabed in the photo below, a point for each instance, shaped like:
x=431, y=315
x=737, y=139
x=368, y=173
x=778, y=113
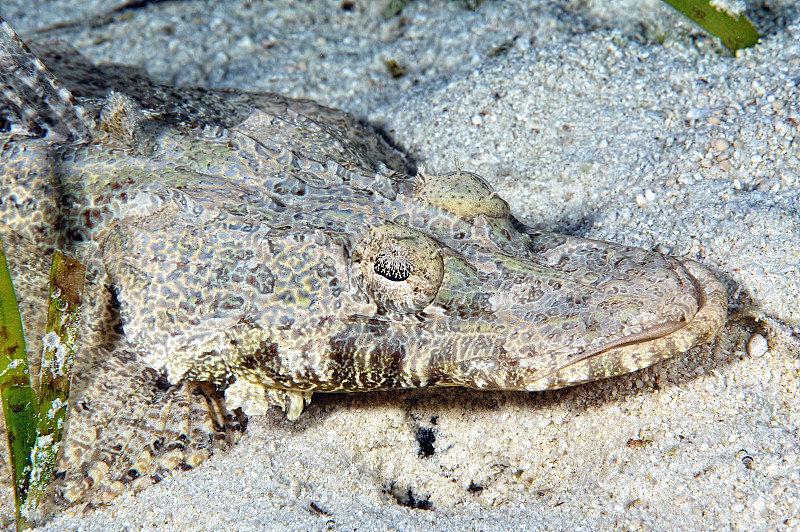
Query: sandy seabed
x=620, y=122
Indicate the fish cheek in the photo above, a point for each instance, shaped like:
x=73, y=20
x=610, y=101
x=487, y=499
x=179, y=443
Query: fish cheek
x=182, y=288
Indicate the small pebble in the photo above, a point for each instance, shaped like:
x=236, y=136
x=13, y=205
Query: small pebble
x=757, y=346
x=720, y=144
x=725, y=165
x=661, y=248
x=737, y=507
x=267, y=41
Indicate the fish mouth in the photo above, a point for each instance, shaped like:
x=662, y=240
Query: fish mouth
x=651, y=345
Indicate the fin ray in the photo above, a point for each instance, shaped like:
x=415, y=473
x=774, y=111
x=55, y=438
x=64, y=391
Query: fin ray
x=32, y=100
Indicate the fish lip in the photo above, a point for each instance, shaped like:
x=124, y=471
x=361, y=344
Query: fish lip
x=632, y=355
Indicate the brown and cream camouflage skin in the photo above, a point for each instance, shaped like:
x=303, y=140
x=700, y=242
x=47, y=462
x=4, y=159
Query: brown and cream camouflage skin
x=246, y=250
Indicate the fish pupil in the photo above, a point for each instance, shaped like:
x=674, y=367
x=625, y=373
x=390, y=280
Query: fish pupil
x=392, y=267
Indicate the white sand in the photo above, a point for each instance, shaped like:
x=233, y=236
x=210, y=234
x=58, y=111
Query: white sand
x=587, y=125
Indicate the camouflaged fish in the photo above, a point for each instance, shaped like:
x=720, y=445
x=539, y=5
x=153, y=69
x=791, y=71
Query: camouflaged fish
x=247, y=250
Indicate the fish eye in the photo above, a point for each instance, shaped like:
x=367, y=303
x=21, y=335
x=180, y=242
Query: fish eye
x=399, y=268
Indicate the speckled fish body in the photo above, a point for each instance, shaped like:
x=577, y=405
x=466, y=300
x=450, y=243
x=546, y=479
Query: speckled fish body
x=276, y=248
x=238, y=256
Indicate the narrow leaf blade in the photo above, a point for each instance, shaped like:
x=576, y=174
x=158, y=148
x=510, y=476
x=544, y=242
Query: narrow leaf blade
x=735, y=33
x=19, y=399
x=59, y=347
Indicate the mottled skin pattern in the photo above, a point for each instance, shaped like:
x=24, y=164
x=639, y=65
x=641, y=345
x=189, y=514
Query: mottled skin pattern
x=275, y=248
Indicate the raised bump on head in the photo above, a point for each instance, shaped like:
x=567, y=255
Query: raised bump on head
x=121, y=118
x=463, y=193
